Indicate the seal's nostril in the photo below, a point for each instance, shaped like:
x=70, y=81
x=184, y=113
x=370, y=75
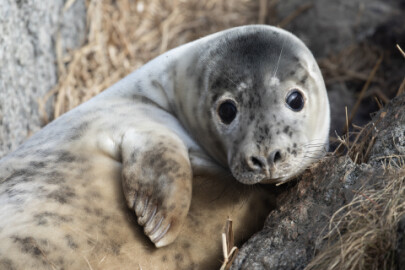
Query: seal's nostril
x=275, y=157
x=256, y=162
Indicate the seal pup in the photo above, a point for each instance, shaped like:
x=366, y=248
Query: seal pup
x=250, y=100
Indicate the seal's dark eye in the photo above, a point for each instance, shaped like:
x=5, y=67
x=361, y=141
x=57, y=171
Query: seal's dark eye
x=227, y=111
x=295, y=100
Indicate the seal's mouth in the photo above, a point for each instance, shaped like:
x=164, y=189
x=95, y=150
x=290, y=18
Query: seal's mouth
x=248, y=176
x=251, y=178
x=278, y=180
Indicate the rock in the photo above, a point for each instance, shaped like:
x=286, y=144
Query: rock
x=28, y=33
x=400, y=248
x=389, y=132
x=328, y=27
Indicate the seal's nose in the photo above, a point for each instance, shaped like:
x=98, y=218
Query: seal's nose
x=264, y=165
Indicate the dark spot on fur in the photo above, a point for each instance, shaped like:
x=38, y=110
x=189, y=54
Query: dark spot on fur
x=78, y=131
x=44, y=218
x=214, y=97
x=63, y=195
x=115, y=247
x=38, y=164
x=304, y=79
x=171, y=207
x=134, y=157
x=184, y=205
x=292, y=73
x=61, y=261
x=266, y=129
x=98, y=211
x=54, y=177
x=155, y=160
x=6, y=264
x=22, y=175
x=186, y=245
x=65, y=156
x=12, y=191
x=178, y=257
x=87, y=209
x=43, y=153
x=27, y=245
x=70, y=242
x=145, y=100
x=164, y=258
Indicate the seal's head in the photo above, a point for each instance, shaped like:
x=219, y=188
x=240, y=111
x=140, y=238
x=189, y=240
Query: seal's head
x=263, y=102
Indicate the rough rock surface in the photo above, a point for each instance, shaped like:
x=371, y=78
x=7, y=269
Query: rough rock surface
x=328, y=27
x=401, y=243
x=28, y=33
x=293, y=233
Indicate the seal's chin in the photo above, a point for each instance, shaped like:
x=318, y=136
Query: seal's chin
x=251, y=178
x=248, y=177
x=279, y=180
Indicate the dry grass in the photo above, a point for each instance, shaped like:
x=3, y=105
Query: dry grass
x=125, y=34
x=363, y=233
x=229, y=250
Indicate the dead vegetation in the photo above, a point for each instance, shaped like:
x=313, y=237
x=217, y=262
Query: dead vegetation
x=363, y=233
x=125, y=34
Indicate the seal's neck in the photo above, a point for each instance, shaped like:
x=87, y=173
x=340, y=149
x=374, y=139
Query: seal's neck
x=144, y=83
x=156, y=80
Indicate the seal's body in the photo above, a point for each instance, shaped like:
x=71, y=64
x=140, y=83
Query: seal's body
x=250, y=100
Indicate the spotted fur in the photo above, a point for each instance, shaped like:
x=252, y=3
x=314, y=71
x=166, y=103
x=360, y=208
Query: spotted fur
x=70, y=195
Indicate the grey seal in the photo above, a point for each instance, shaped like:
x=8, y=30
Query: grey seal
x=250, y=100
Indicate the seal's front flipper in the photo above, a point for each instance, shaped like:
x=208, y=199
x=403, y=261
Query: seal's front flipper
x=157, y=182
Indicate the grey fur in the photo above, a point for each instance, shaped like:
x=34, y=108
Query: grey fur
x=156, y=128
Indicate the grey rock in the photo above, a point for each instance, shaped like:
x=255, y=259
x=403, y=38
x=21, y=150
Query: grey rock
x=339, y=97
x=329, y=26
x=28, y=31
x=400, y=248
x=389, y=131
